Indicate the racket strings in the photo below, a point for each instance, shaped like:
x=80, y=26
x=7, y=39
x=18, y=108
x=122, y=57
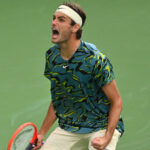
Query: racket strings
x=23, y=138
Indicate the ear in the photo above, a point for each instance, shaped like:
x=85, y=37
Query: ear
x=75, y=28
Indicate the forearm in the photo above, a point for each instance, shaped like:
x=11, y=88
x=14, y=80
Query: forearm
x=100, y=143
x=48, y=121
x=114, y=115
x=113, y=95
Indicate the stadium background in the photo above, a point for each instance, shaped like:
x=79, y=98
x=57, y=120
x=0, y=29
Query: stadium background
x=120, y=28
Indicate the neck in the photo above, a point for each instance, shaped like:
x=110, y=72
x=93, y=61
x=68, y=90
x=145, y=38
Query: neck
x=68, y=48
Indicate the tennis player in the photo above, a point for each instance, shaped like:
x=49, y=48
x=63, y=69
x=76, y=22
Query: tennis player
x=85, y=98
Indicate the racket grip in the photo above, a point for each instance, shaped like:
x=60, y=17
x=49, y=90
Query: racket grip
x=29, y=147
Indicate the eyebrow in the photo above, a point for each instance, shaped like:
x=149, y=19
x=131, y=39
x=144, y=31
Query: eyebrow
x=60, y=17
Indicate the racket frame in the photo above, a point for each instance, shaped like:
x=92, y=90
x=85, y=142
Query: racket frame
x=32, y=141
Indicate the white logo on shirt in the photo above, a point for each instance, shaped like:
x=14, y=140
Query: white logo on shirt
x=65, y=67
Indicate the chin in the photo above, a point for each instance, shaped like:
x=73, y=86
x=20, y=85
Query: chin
x=55, y=41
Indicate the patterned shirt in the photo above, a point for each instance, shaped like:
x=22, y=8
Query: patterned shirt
x=76, y=87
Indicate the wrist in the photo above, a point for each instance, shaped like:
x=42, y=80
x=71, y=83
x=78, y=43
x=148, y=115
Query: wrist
x=108, y=135
x=42, y=133
x=41, y=137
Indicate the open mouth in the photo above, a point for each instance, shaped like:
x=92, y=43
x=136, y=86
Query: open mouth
x=55, y=32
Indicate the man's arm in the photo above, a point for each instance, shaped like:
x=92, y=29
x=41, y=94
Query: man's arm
x=113, y=95
x=47, y=124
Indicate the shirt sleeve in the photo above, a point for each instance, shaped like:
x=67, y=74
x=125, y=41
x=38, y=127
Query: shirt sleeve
x=47, y=65
x=103, y=71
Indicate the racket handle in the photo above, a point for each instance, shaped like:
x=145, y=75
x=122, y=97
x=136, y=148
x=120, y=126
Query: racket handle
x=29, y=147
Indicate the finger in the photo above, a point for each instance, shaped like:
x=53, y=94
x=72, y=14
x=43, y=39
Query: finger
x=96, y=143
x=97, y=146
x=37, y=146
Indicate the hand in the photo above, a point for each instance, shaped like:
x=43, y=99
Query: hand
x=99, y=143
x=39, y=142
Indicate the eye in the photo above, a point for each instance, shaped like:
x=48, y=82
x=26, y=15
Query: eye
x=54, y=17
x=61, y=20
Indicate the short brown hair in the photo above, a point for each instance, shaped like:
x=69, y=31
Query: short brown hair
x=77, y=8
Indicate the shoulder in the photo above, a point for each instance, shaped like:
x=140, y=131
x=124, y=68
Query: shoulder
x=95, y=53
x=51, y=50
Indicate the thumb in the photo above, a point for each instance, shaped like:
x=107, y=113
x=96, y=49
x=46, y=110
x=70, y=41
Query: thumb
x=39, y=142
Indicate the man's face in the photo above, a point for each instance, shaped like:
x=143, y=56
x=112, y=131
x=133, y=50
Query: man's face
x=61, y=28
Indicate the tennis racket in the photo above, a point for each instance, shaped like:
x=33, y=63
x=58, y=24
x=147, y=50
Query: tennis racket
x=24, y=137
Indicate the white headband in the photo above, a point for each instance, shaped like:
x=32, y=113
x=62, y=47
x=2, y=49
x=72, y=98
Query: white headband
x=70, y=13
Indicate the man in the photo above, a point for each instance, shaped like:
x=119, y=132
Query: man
x=85, y=98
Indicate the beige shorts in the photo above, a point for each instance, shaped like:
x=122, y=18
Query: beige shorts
x=60, y=139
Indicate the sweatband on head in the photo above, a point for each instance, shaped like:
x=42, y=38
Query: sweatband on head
x=70, y=13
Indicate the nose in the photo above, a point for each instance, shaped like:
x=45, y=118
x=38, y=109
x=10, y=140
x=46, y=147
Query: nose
x=54, y=21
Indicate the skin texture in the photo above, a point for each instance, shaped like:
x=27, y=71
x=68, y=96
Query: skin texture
x=48, y=122
x=66, y=36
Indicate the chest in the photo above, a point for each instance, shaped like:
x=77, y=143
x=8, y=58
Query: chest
x=73, y=72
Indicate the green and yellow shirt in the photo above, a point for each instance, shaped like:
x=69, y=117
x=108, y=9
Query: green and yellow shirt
x=76, y=87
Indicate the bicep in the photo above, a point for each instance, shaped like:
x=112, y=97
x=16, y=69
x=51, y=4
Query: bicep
x=111, y=91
